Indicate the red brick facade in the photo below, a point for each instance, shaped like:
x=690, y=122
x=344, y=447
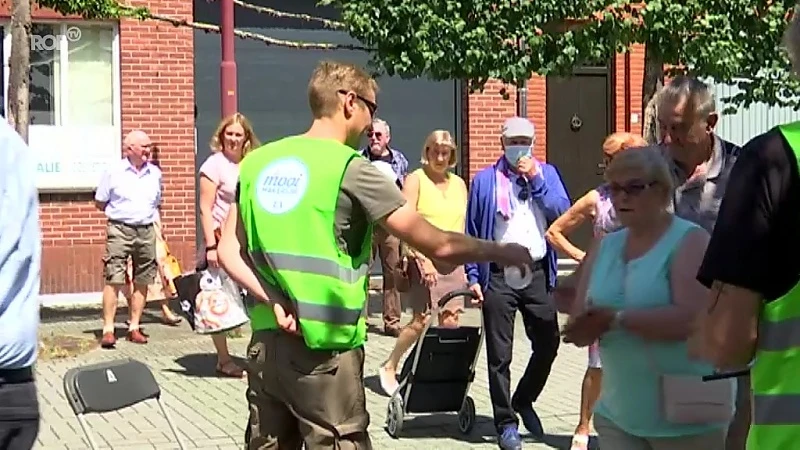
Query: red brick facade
x=485, y=112
x=158, y=97
x=156, y=64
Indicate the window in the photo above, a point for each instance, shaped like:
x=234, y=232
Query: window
x=72, y=80
x=75, y=111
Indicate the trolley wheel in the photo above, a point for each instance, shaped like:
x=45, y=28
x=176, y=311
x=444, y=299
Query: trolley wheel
x=466, y=416
x=394, y=416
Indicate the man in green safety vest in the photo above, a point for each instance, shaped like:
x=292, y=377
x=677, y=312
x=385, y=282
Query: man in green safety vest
x=752, y=266
x=299, y=240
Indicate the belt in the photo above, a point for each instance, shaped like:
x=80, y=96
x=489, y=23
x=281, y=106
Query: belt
x=117, y=222
x=537, y=265
x=16, y=376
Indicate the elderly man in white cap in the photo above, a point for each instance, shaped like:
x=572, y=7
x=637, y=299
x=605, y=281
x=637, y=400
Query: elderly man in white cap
x=515, y=200
x=129, y=194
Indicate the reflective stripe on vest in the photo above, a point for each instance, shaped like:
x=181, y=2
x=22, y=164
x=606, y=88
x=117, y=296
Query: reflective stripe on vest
x=776, y=409
x=774, y=381
x=310, y=264
x=319, y=266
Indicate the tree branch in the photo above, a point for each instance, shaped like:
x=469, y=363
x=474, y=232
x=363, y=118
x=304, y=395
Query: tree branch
x=332, y=24
x=270, y=41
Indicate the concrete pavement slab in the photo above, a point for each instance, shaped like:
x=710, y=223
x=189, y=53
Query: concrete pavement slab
x=211, y=412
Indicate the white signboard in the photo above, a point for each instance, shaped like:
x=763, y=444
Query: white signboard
x=73, y=158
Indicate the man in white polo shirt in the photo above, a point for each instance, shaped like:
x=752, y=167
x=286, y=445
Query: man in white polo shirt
x=130, y=194
x=514, y=201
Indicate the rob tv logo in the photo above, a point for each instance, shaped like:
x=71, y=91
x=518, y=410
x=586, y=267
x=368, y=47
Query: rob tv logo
x=49, y=42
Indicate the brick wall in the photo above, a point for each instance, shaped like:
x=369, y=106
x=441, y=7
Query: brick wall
x=485, y=112
x=636, y=79
x=156, y=62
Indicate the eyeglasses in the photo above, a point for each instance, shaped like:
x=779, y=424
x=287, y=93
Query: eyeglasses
x=372, y=107
x=633, y=188
x=375, y=134
x=525, y=189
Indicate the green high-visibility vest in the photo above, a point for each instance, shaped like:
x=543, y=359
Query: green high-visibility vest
x=775, y=375
x=288, y=192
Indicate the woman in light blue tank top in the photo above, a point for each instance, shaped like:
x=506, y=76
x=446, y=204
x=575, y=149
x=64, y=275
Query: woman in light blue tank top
x=595, y=205
x=640, y=289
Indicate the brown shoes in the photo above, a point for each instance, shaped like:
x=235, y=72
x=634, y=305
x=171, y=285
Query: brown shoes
x=109, y=341
x=391, y=332
x=136, y=336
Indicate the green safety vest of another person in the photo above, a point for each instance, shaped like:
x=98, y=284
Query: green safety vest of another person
x=774, y=376
x=287, y=202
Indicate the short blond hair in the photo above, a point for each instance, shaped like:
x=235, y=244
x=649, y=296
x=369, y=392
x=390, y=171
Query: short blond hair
x=330, y=77
x=435, y=139
x=648, y=161
x=622, y=140
x=250, y=139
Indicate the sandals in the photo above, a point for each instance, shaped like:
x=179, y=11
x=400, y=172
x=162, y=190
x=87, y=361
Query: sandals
x=580, y=442
x=230, y=370
x=173, y=321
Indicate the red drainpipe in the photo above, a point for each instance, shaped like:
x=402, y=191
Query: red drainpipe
x=628, y=91
x=227, y=68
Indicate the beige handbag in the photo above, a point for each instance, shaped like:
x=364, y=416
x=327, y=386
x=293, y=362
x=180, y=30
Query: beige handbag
x=687, y=399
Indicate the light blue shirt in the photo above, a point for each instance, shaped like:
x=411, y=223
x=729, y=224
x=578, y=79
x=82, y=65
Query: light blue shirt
x=20, y=252
x=131, y=196
x=632, y=367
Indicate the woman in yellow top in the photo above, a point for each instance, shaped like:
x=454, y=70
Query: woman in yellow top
x=441, y=198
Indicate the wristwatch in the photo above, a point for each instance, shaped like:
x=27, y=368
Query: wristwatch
x=616, y=322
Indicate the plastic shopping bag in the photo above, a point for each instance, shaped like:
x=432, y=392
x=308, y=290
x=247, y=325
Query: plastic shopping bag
x=211, y=301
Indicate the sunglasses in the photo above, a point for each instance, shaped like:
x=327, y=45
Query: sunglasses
x=375, y=134
x=525, y=189
x=372, y=107
x=633, y=188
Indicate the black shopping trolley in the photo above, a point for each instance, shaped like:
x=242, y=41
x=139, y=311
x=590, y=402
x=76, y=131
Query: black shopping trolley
x=110, y=386
x=436, y=376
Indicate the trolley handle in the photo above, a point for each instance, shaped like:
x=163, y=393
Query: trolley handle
x=457, y=293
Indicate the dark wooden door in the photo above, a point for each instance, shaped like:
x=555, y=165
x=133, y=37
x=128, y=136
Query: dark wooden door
x=577, y=123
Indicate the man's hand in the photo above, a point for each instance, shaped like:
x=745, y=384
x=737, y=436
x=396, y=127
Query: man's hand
x=583, y=330
x=528, y=165
x=285, y=320
x=512, y=254
x=476, y=288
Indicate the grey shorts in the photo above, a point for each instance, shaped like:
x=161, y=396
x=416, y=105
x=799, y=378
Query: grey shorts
x=137, y=242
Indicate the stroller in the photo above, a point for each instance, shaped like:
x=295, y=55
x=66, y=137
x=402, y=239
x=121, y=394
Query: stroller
x=436, y=376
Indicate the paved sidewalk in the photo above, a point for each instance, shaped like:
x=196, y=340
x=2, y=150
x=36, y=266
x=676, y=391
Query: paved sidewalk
x=211, y=412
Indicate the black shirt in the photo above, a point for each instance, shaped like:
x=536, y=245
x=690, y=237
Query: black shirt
x=756, y=239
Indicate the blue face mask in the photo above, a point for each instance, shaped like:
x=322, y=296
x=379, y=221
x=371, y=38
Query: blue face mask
x=515, y=152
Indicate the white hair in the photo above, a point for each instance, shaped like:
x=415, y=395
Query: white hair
x=700, y=97
x=385, y=124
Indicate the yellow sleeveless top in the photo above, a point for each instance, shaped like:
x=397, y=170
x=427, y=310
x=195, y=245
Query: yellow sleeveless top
x=447, y=210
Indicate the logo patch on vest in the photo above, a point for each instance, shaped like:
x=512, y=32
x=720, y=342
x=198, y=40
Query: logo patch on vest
x=281, y=185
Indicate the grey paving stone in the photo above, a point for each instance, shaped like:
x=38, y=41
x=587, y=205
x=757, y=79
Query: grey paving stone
x=211, y=412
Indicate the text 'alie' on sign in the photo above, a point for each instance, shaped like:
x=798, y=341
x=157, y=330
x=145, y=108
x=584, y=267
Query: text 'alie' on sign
x=51, y=167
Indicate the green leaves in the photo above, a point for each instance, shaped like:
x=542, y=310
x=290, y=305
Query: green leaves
x=729, y=41
x=95, y=9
